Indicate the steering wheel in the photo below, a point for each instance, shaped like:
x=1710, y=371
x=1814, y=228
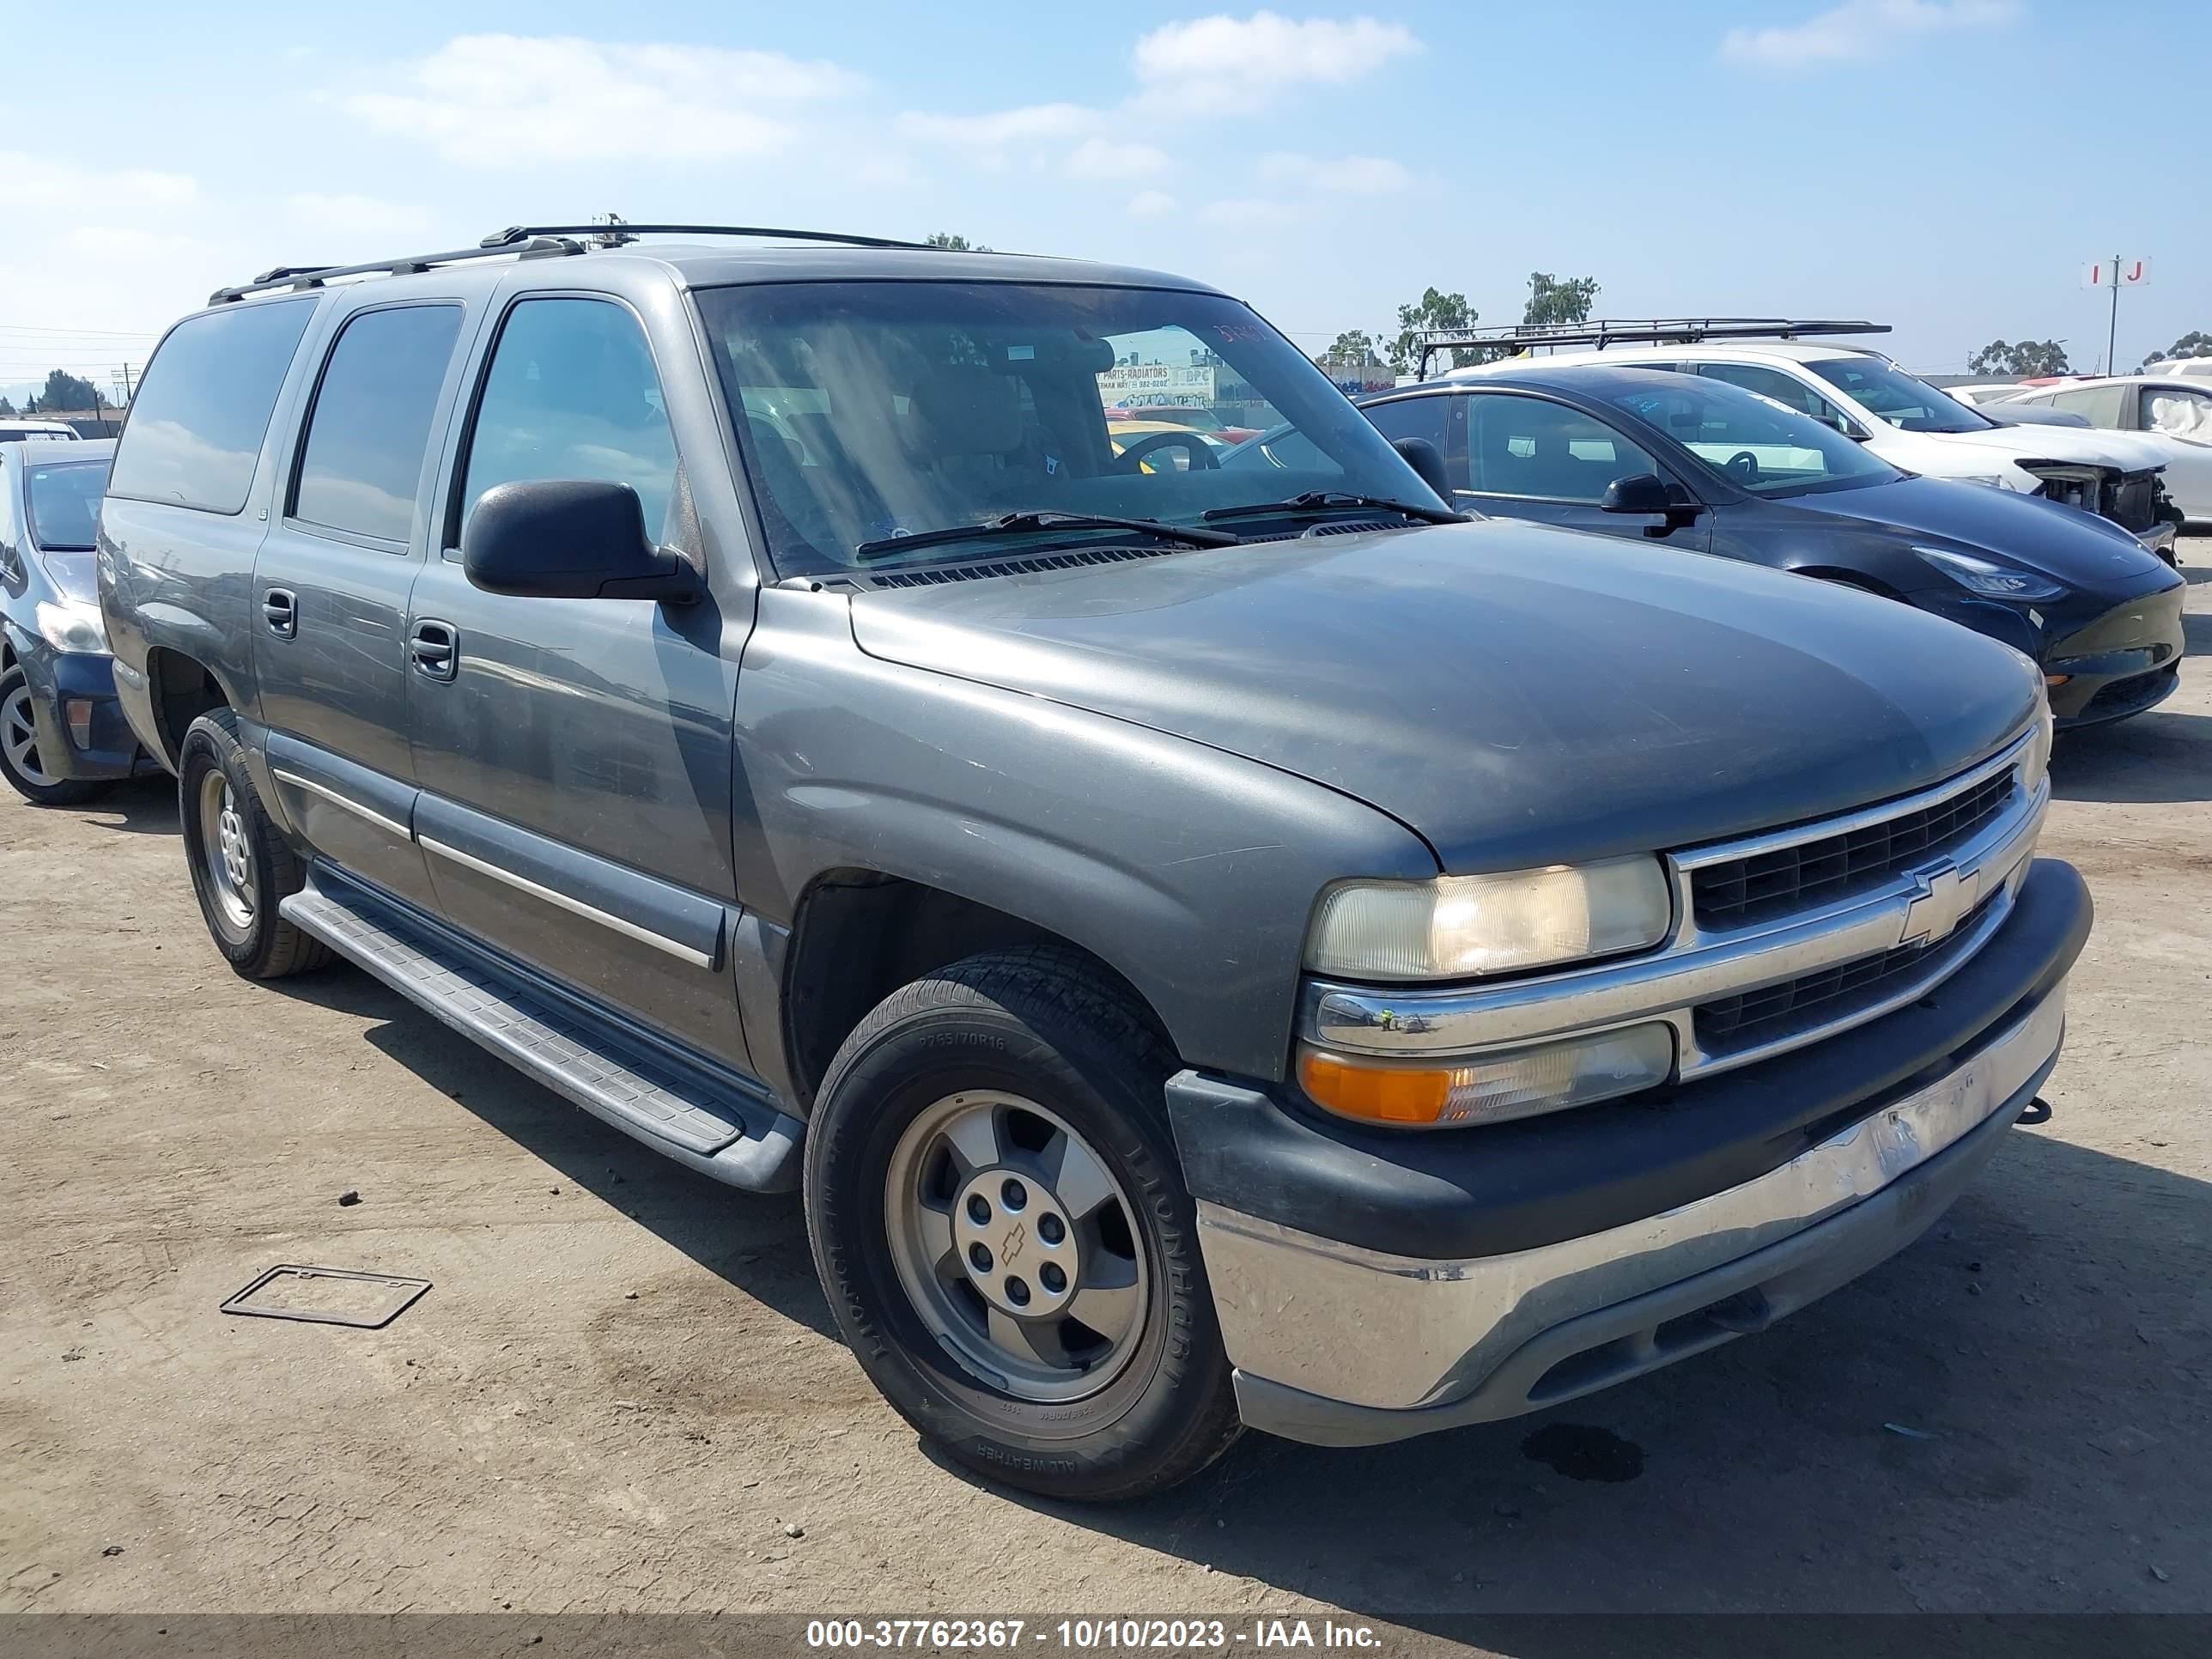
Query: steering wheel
x=1743, y=467
x=1200, y=452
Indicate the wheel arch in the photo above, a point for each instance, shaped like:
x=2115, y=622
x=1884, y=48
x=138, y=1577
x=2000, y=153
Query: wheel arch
x=180, y=688
x=858, y=934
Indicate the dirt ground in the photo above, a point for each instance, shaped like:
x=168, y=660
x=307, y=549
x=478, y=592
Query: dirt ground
x=623, y=1392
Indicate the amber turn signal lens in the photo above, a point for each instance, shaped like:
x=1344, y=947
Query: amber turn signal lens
x=2056, y=679
x=1381, y=1094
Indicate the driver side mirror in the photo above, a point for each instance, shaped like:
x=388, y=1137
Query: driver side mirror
x=1640, y=492
x=1425, y=458
x=571, y=538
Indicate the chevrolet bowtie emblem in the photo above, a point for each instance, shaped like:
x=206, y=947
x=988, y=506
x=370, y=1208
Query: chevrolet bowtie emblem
x=1941, y=905
x=1011, y=1245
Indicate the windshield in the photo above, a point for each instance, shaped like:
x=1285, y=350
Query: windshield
x=870, y=411
x=1760, y=445
x=65, y=498
x=1887, y=390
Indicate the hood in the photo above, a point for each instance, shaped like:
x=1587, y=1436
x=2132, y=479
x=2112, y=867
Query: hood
x=2089, y=554
x=1515, y=694
x=2083, y=446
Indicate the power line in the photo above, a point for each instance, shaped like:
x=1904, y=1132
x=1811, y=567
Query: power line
x=113, y=333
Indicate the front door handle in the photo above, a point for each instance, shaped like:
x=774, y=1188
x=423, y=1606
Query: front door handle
x=436, y=648
x=280, y=609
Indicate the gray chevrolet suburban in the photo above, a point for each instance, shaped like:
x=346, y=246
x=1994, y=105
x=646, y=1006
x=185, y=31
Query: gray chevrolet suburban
x=1216, y=937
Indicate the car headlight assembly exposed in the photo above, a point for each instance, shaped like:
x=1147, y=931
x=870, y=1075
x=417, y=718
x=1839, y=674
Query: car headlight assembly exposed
x=1462, y=927
x=1988, y=578
x=1491, y=1088
x=73, y=626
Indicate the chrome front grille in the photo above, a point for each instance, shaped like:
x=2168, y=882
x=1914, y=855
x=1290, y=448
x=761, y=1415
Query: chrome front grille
x=1803, y=874
x=1728, y=1023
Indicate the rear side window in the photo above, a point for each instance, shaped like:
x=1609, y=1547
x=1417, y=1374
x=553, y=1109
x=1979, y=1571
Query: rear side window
x=196, y=424
x=371, y=423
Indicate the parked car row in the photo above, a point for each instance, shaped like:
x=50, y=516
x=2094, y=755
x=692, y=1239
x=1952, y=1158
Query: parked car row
x=1700, y=464
x=1219, y=934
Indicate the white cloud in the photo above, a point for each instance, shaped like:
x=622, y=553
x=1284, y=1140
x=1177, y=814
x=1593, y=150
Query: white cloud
x=1150, y=203
x=1246, y=213
x=1002, y=128
x=493, y=99
x=1102, y=158
x=1364, y=175
x=1244, y=61
x=1860, y=28
x=47, y=181
x=363, y=214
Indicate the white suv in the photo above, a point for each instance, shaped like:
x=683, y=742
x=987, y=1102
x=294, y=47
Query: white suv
x=1912, y=425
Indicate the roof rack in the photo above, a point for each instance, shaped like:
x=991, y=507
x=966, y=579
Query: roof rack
x=626, y=230
x=1611, y=331
x=529, y=241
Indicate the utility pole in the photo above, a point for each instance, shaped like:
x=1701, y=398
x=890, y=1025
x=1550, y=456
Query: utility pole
x=2112, y=330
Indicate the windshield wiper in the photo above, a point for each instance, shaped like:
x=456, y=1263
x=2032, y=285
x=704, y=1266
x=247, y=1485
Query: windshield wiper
x=1014, y=523
x=1320, y=500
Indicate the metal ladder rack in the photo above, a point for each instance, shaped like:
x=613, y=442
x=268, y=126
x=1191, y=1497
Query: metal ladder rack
x=1650, y=331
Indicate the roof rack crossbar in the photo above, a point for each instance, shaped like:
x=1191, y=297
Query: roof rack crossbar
x=1612, y=331
x=626, y=230
x=307, y=276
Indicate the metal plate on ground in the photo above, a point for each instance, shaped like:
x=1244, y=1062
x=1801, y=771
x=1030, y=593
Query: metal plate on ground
x=327, y=1296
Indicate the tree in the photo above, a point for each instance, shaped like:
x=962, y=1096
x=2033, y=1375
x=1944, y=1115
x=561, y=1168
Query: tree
x=2028, y=357
x=2195, y=344
x=1432, y=310
x=65, y=394
x=7, y=408
x=1559, y=299
x=959, y=244
x=1356, y=347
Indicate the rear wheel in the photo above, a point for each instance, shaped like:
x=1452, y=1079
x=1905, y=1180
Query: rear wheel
x=999, y=1217
x=20, y=761
x=241, y=867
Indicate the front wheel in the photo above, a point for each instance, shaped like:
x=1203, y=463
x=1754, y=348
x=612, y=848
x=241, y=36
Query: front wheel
x=22, y=762
x=999, y=1217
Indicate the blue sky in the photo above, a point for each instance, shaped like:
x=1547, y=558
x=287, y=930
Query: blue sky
x=1947, y=166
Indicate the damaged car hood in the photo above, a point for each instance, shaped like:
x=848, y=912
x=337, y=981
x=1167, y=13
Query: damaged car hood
x=2074, y=445
x=1516, y=694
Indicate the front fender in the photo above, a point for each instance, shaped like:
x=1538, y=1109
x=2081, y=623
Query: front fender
x=1190, y=871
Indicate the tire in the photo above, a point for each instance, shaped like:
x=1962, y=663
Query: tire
x=25, y=776
x=1038, y=1041
x=238, y=885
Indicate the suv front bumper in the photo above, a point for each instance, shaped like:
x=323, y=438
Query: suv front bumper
x=1371, y=1286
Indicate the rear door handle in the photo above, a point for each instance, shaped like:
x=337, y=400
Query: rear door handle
x=280, y=609
x=435, y=647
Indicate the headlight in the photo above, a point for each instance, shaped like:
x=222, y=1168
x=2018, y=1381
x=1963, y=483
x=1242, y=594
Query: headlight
x=1457, y=926
x=72, y=625
x=1492, y=1088
x=1986, y=576
x=2035, y=765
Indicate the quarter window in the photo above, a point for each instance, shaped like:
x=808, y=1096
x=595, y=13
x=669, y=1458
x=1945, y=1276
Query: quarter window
x=362, y=461
x=196, y=424
x=1541, y=451
x=572, y=394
